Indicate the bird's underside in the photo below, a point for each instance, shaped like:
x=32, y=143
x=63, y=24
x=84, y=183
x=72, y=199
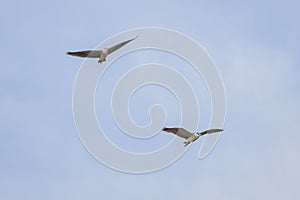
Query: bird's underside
x=190, y=137
x=101, y=54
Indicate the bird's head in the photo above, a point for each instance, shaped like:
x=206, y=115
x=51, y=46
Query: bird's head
x=105, y=50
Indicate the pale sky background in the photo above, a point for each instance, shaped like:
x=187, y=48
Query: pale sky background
x=255, y=46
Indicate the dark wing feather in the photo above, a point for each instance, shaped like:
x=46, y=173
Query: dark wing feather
x=210, y=131
x=86, y=54
x=179, y=132
x=118, y=46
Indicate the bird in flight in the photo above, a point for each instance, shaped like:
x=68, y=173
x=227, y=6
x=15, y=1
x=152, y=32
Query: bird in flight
x=101, y=54
x=190, y=137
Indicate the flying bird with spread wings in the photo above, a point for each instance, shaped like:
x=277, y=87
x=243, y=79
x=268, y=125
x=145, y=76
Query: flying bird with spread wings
x=101, y=54
x=190, y=137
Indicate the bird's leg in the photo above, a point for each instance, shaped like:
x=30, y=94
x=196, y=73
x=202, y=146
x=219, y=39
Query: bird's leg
x=101, y=60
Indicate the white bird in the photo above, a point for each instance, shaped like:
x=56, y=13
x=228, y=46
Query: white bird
x=190, y=137
x=101, y=54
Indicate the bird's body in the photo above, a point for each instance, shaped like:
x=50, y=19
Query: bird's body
x=101, y=54
x=190, y=137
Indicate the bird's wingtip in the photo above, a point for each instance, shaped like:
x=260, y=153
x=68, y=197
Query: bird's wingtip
x=217, y=130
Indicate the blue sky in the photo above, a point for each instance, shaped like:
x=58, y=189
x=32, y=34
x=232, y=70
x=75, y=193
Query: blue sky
x=255, y=46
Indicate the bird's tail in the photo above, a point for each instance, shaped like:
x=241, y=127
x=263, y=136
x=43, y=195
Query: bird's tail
x=186, y=143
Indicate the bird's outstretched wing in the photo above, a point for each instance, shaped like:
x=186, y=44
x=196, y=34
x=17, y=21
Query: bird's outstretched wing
x=209, y=131
x=181, y=132
x=86, y=54
x=118, y=46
